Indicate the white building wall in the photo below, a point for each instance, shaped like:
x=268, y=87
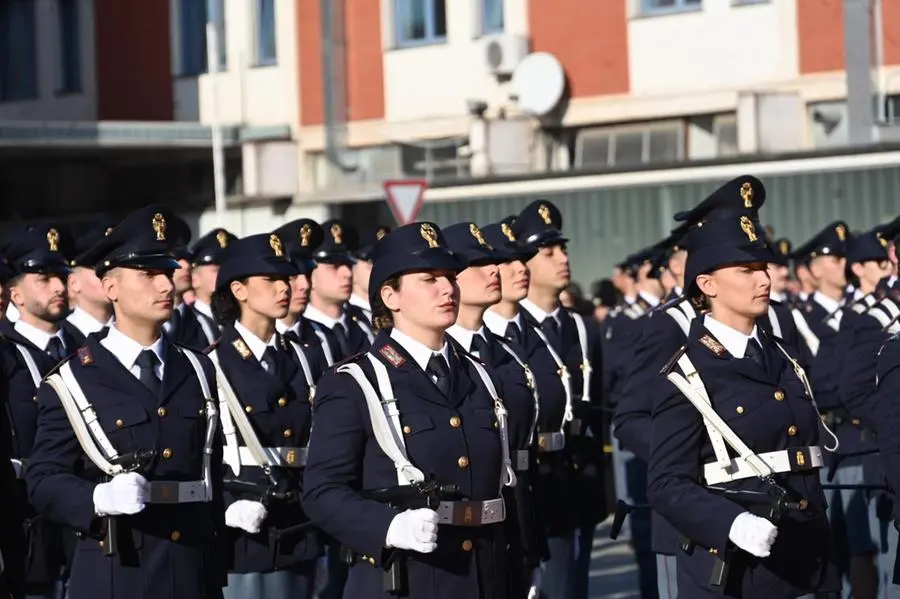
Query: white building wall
x=249, y=220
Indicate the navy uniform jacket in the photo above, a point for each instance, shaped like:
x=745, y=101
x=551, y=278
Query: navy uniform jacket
x=886, y=409
x=822, y=368
x=620, y=333
x=770, y=411
x=357, y=340
x=789, y=334
x=279, y=408
x=166, y=550
x=74, y=333
x=344, y=458
x=188, y=332
x=12, y=539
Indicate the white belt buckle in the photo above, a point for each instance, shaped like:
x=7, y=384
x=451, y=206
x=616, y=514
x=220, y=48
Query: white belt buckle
x=548, y=442
x=471, y=513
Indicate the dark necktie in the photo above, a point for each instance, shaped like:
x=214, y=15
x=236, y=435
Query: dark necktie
x=550, y=326
x=55, y=349
x=175, y=321
x=479, y=346
x=340, y=333
x=512, y=333
x=147, y=362
x=437, y=369
x=270, y=359
x=754, y=352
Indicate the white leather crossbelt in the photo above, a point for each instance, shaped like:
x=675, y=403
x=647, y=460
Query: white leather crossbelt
x=794, y=459
x=548, y=442
x=471, y=513
x=291, y=457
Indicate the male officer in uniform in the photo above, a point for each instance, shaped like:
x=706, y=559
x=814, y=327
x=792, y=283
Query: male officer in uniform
x=300, y=238
x=362, y=268
x=92, y=310
x=332, y=282
x=180, y=232
x=576, y=341
x=127, y=450
x=38, y=343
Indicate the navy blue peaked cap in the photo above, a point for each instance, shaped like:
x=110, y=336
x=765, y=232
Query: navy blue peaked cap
x=256, y=255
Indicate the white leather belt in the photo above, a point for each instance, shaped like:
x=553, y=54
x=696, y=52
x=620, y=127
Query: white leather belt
x=521, y=460
x=162, y=491
x=795, y=459
x=293, y=457
x=548, y=442
x=19, y=467
x=471, y=513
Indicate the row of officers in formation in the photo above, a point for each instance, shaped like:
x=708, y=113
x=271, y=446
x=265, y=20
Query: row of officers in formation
x=411, y=413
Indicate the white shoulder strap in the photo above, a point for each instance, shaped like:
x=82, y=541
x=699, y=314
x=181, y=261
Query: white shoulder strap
x=586, y=369
x=208, y=331
x=683, y=322
x=212, y=420
x=385, y=419
x=532, y=384
x=773, y=320
x=304, y=366
x=564, y=376
x=323, y=338
x=30, y=364
x=812, y=341
x=508, y=477
x=365, y=329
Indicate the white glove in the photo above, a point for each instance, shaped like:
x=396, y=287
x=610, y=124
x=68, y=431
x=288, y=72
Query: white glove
x=125, y=494
x=246, y=515
x=537, y=576
x=753, y=534
x=415, y=530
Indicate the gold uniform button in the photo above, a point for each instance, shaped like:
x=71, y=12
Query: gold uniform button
x=248, y=409
x=287, y=434
x=455, y=422
x=407, y=430
x=120, y=423
x=463, y=462
x=175, y=536
x=467, y=545
x=779, y=395
x=282, y=401
x=739, y=409
x=162, y=412
x=167, y=453
x=792, y=430
x=371, y=560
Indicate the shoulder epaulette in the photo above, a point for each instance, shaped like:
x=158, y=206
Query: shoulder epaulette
x=348, y=359
x=673, y=361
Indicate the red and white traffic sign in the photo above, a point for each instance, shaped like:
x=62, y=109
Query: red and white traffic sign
x=404, y=198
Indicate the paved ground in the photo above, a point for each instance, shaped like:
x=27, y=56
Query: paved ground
x=613, y=571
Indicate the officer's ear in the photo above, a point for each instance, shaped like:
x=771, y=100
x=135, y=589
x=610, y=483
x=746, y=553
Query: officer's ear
x=707, y=285
x=857, y=269
x=15, y=293
x=239, y=290
x=110, y=284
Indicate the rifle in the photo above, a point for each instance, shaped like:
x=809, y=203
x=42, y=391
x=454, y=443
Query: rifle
x=134, y=461
x=426, y=494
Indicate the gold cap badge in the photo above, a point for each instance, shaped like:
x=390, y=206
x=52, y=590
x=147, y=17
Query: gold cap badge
x=429, y=234
x=785, y=247
x=747, y=194
x=507, y=230
x=159, y=226
x=222, y=238
x=881, y=240
x=337, y=233
x=841, y=232
x=275, y=244
x=544, y=213
x=53, y=240
x=381, y=232
x=748, y=228
x=305, y=234
x=478, y=235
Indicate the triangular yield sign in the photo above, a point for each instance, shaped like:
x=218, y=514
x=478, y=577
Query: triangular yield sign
x=404, y=198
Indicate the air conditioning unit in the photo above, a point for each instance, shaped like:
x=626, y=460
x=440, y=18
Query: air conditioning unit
x=503, y=52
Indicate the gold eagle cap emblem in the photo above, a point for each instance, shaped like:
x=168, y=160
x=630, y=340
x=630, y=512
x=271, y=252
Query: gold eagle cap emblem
x=785, y=247
x=275, y=244
x=380, y=233
x=429, y=234
x=337, y=233
x=222, y=238
x=159, y=226
x=305, y=234
x=747, y=194
x=882, y=240
x=53, y=240
x=841, y=232
x=748, y=228
x=544, y=213
x=507, y=230
x=479, y=236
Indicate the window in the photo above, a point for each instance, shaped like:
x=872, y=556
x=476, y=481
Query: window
x=194, y=15
x=665, y=6
x=725, y=128
x=630, y=145
x=266, y=51
x=18, y=54
x=69, y=47
x=491, y=16
x=420, y=22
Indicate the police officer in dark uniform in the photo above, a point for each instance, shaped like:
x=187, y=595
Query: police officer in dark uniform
x=91, y=309
x=341, y=333
x=127, y=452
x=891, y=234
x=197, y=327
x=362, y=268
x=576, y=342
x=433, y=453
x=735, y=389
x=480, y=286
x=268, y=385
x=180, y=232
x=37, y=344
x=300, y=238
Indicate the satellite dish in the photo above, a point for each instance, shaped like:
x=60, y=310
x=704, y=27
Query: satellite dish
x=538, y=83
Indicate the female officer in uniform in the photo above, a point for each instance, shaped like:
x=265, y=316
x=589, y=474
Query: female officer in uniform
x=434, y=410
x=696, y=482
x=268, y=393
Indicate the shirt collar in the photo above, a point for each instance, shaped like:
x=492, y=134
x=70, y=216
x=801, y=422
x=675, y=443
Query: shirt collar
x=419, y=351
x=778, y=297
x=38, y=337
x=84, y=322
x=12, y=313
x=317, y=315
x=538, y=313
x=256, y=345
x=126, y=350
x=204, y=309
x=464, y=336
x=498, y=324
x=679, y=291
x=831, y=306
x=360, y=302
x=733, y=340
x=649, y=298
x=294, y=328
